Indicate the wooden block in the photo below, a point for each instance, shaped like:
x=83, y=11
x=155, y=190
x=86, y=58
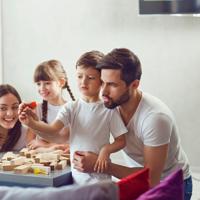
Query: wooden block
x=9, y=155
x=29, y=161
x=22, y=169
x=58, y=151
x=8, y=167
x=50, y=156
x=66, y=155
x=37, y=160
x=65, y=158
x=41, y=169
x=6, y=162
x=53, y=165
x=30, y=153
x=45, y=162
x=37, y=165
x=23, y=151
x=18, y=161
x=61, y=165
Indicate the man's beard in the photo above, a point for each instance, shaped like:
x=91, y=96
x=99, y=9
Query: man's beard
x=122, y=99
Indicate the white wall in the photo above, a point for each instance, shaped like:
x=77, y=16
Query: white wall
x=1, y=46
x=168, y=47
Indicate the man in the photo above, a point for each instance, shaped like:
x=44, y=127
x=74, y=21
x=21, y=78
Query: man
x=152, y=138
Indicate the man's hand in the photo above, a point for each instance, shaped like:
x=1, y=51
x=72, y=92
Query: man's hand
x=84, y=161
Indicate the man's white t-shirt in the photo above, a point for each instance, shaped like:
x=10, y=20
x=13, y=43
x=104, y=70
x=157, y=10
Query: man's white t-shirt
x=90, y=128
x=153, y=124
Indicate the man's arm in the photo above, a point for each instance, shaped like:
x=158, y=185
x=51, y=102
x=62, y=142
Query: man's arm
x=155, y=159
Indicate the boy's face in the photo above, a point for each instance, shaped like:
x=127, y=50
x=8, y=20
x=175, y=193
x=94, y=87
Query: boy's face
x=89, y=82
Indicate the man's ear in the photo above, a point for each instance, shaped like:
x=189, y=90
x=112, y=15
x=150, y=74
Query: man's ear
x=135, y=84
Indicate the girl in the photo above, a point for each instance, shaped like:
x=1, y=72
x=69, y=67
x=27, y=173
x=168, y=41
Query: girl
x=51, y=79
x=12, y=133
x=90, y=122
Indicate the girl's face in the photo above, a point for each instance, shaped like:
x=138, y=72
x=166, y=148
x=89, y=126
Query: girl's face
x=8, y=111
x=49, y=90
x=89, y=82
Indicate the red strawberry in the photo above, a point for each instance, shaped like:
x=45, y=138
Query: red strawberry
x=32, y=105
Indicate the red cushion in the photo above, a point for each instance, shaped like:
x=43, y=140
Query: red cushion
x=134, y=185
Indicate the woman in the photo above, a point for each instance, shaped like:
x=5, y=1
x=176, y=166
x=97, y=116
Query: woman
x=12, y=133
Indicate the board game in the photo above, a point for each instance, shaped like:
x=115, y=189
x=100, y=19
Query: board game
x=35, y=169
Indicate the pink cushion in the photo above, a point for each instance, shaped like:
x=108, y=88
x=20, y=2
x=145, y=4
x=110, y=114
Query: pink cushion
x=171, y=188
x=134, y=185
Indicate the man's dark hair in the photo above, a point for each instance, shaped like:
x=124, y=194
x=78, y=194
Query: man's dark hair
x=124, y=60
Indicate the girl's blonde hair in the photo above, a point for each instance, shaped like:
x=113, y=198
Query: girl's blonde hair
x=51, y=70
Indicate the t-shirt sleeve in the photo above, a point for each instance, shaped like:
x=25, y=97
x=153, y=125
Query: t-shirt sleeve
x=117, y=126
x=64, y=114
x=156, y=129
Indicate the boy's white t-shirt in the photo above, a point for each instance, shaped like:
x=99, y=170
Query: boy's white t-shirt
x=153, y=124
x=90, y=128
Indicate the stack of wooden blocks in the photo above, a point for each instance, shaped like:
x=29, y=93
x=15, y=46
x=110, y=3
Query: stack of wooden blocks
x=31, y=161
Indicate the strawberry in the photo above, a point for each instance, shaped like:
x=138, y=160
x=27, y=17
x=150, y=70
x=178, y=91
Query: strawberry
x=32, y=105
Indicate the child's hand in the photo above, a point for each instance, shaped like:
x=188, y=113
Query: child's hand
x=26, y=115
x=64, y=147
x=35, y=143
x=101, y=164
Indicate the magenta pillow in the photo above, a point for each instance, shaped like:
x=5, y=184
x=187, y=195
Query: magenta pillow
x=171, y=188
x=134, y=185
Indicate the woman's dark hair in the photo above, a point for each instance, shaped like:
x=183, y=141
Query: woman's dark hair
x=124, y=60
x=51, y=70
x=14, y=133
